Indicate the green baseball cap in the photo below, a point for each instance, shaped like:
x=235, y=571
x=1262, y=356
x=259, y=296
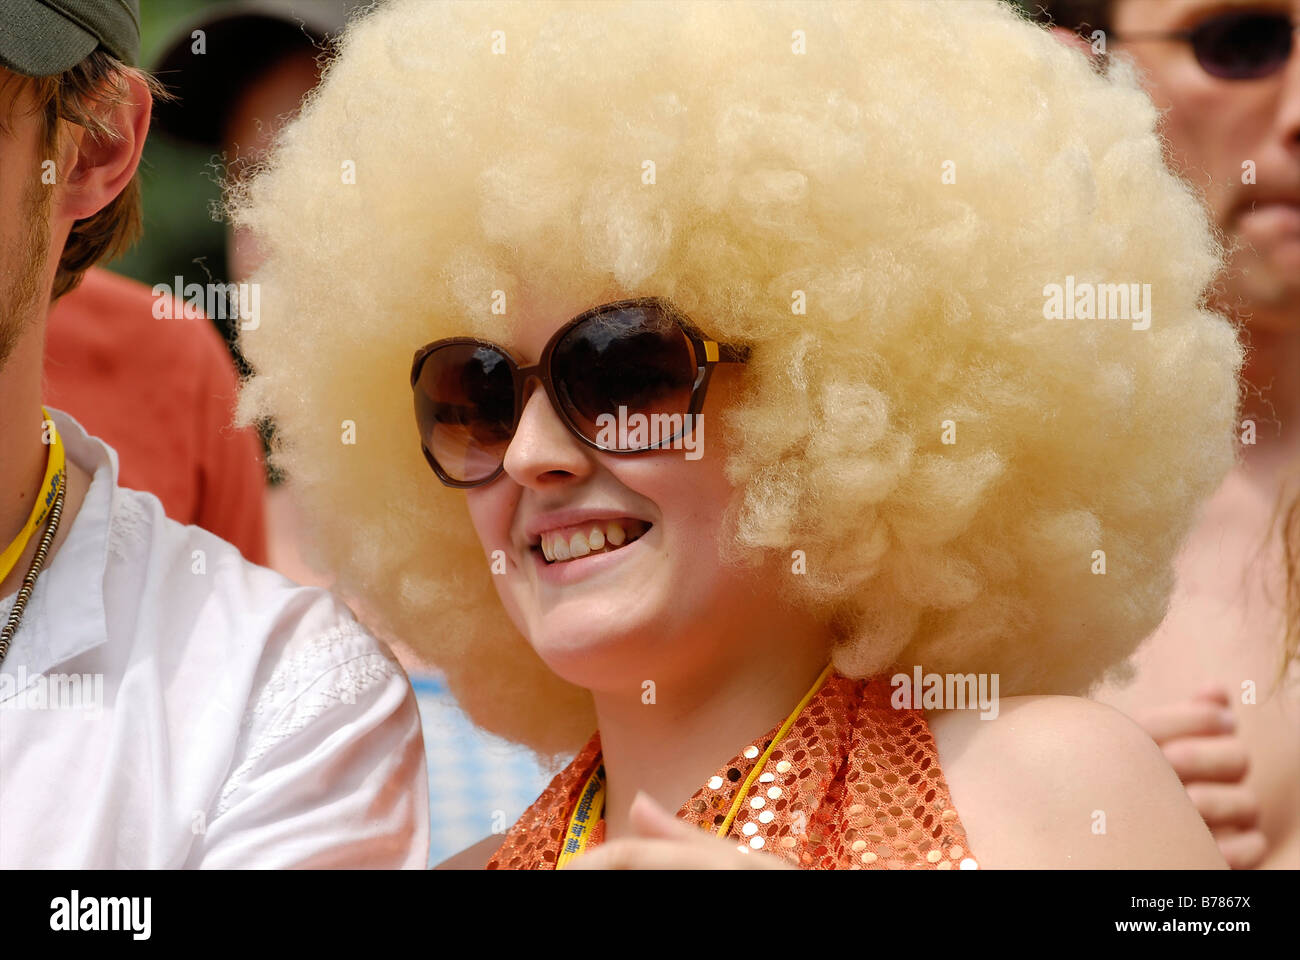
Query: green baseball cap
x=41, y=38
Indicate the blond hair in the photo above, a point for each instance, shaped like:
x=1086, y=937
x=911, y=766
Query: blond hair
x=1081, y=446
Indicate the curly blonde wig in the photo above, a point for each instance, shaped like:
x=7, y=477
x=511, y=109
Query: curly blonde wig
x=875, y=197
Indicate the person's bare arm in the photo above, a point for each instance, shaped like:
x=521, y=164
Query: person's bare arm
x=1062, y=782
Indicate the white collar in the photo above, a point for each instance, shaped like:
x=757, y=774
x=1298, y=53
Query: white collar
x=65, y=616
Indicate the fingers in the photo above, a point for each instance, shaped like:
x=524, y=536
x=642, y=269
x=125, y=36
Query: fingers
x=629, y=854
x=643, y=854
x=1198, y=739
x=662, y=842
x=1212, y=694
x=1199, y=717
x=1243, y=850
x=651, y=821
x=1224, y=805
x=1220, y=759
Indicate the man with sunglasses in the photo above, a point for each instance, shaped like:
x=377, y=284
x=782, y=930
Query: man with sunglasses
x=166, y=703
x=1227, y=79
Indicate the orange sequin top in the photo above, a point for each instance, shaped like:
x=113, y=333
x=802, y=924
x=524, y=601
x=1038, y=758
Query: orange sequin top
x=854, y=784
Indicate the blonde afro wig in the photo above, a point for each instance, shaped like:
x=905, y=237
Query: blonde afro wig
x=875, y=197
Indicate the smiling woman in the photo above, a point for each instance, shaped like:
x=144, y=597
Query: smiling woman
x=789, y=220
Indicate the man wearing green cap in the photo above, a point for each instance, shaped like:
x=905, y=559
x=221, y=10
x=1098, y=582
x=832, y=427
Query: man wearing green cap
x=108, y=360
x=167, y=704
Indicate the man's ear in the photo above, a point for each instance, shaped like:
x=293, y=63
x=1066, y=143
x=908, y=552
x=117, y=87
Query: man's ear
x=98, y=168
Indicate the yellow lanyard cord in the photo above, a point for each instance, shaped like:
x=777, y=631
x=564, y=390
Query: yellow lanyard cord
x=55, y=464
x=590, y=808
x=591, y=802
x=762, y=761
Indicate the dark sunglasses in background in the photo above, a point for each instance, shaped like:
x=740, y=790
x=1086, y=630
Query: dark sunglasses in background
x=1235, y=45
x=639, y=356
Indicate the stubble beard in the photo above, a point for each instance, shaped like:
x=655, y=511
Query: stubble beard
x=23, y=272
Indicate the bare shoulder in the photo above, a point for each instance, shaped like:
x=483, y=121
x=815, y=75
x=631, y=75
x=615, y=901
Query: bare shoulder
x=1066, y=782
x=475, y=857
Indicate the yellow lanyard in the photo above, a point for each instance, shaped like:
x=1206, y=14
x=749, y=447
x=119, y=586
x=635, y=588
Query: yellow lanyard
x=591, y=802
x=590, y=808
x=55, y=468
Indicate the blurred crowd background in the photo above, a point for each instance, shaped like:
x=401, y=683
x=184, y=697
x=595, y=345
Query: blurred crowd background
x=181, y=180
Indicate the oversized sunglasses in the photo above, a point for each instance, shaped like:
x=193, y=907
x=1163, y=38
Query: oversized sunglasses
x=639, y=356
x=1236, y=45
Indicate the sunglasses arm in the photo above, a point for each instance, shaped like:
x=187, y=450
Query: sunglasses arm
x=715, y=352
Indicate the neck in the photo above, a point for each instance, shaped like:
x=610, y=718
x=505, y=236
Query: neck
x=1272, y=400
x=22, y=451
x=669, y=748
x=23, y=454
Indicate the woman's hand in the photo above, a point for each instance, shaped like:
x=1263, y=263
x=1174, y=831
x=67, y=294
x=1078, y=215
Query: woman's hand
x=1198, y=738
x=662, y=842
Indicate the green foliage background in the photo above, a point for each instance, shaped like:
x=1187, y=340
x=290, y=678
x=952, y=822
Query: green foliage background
x=179, y=182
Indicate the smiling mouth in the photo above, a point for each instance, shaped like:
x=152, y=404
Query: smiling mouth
x=585, y=539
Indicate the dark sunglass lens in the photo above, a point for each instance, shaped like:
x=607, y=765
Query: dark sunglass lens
x=1242, y=46
x=625, y=361
x=465, y=407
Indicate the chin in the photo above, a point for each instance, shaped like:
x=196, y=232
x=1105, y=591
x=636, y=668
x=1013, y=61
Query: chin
x=596, y=657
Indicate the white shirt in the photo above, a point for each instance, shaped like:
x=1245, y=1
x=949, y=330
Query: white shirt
x=243, y=720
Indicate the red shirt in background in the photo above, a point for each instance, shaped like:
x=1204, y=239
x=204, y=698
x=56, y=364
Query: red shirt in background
x=162, y=394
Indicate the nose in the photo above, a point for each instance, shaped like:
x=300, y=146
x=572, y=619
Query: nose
x=543, y=452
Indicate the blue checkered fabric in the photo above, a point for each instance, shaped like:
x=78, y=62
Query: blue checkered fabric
x=478, y=784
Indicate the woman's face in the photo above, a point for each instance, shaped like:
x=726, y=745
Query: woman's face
x=647, y=609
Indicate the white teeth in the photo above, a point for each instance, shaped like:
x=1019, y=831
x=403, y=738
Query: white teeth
x=604, y=536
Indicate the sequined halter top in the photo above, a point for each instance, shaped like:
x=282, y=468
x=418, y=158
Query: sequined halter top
x=853, y=784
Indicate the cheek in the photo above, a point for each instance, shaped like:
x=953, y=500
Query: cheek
x=692, y=496
x=709, y=494
x=700, y=487
x=491, y=511
x=1203, y=122
x=1211, y=127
